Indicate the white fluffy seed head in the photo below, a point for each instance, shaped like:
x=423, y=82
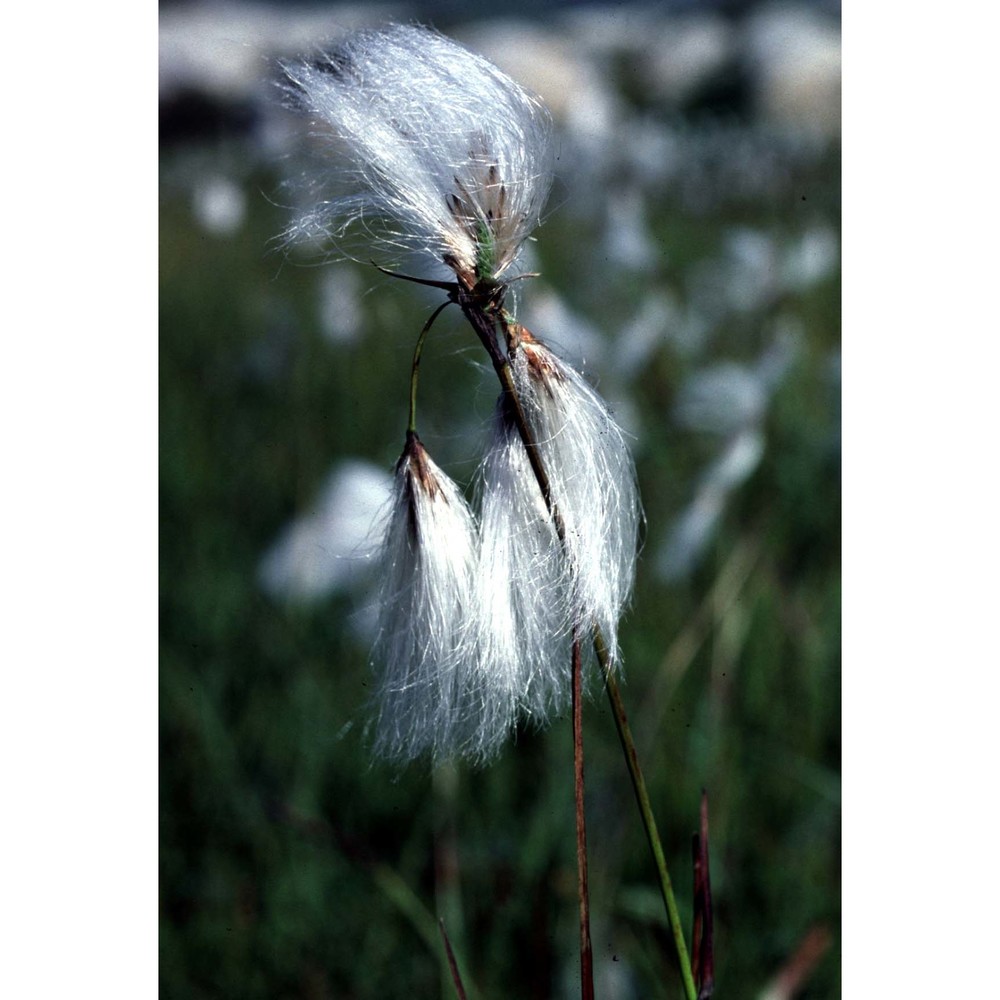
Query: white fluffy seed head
x=428, y=559
x=475, y=628
x=591, y=481
x=533, y=589
x=441, y=152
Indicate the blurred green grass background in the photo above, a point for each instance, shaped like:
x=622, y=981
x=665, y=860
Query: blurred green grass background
x=292, y=865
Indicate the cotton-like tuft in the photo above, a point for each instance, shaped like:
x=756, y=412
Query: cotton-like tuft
x=533, y=587
x=441, y=152
x=591, y=480
x=423, y=643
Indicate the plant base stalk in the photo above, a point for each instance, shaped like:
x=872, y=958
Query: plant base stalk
x=646, y=812
x=583, y=892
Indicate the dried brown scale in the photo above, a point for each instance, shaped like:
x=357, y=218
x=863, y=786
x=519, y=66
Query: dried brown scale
x=419, y=470
x=464, y=202
x=460, y=206
x=419, y=476
x=466, y=278
x=540, y=362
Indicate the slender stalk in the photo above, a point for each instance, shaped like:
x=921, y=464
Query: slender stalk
x=646, y=811
x=583, y=892
x=702, y=944
x=415, y=368
x=456, y=976
x=447, y=887
x=395, y=888
x=486, y=328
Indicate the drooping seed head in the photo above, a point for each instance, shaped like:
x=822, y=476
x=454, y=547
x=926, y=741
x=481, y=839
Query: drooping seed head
x=427, y=566
x=591, y=481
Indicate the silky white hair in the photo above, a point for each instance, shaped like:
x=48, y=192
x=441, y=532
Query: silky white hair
x=476, y=620
x=592, y=483
x=534, y=589
x=522, y=585
x=442, y=153
x=427, y=563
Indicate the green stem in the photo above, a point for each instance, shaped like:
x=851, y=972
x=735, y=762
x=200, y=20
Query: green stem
x=646, y=811
x=415, y=369
x=395, y=889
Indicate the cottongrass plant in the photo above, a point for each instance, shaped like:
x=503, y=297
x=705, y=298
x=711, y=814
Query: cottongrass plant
x=442, y=154
x=482, y=622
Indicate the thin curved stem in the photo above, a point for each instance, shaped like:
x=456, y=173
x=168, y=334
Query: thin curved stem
x=415, y=369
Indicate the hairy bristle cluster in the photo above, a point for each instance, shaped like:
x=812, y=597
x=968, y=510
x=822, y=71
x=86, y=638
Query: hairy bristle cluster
x=591, y=481
x=428, y=560
x=441, y=152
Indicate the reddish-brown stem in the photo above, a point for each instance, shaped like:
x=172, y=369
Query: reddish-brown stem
x=456, y=977
x=586, y=951
x=702, y=946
